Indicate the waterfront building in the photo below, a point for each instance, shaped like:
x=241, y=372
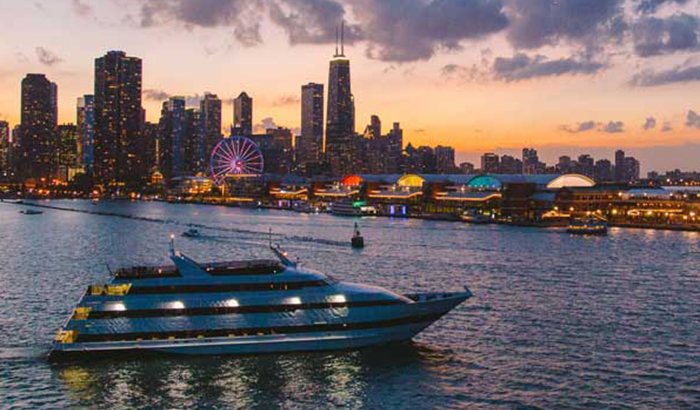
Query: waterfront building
x=36, y=158
x=195, y=158
x=210, y=116
x=444, y=160
x=172, y=137
x=419, y=160
x=490, y=163
x=243, y=115
x=530, y=160
x=67, y=151
x=510, y=165
x=86, y=131
x=118, y=149
x=602, y=171
x=150, y=134
x=5, y=147
x=309, y=149
x=340, y=144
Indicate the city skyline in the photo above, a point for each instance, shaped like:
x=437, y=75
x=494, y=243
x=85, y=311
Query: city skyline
x=441, y=97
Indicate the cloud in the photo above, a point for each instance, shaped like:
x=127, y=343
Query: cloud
x=82, y=9
x=651, y=6
x=413, y=30
x=580, y=127
x=649, y=123
x=666, y=127
x=286, y=100
x=47, y=57
x=263, y=125
x=160, y=95
x=312, y=21
x=613, y=127
x=678, y=74
x=655, y=36
x=692, y=119
x=539, y=23
x=523, y=67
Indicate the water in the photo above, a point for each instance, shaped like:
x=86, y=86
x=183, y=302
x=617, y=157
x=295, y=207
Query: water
x=556, y=320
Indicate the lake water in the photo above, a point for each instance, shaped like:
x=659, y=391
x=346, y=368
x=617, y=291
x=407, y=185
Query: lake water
x=556, y=321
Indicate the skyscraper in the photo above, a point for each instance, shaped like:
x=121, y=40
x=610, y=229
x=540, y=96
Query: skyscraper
x=531, y=161
x=4, y=149
x=38, y=126
x=66, y=151
x=195, y=141
x=172, y=137
x=340, y=120
x=619, y=165
x=310, y=146
x=444, y=159
x=210, y=116
x=243, y=114
x=118, y=148
x=490, y=163
x=394, y=155
x=86, y=131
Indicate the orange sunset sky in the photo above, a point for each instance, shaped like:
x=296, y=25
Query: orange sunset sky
x=566, y=77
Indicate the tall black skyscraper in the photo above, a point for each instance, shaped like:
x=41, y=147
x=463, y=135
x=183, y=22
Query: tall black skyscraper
x=310, y=147
x=210, y=116
x=119, y=149
x=340, y=120
x=38, y=127
x=86, y=131
x=243, y=114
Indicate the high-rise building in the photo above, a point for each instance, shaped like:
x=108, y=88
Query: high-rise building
x=118, y=147
x=565, y=165
x=4, y=149
x=38, y=126
x=620, y=166
x=340, y=118
x=631, y=169
x=510, y=165
x=86, y=131
x=195, y=142
x=466, y=168
x=585, y=165
x=67, y=151
x=210, y=116
x=394, y=154
x=603, y=171
x=310, y=147
x=172, y=137
x=444, y=159
x=490, y=163
x=150, y=134
x=530, y=161
x=243, y=114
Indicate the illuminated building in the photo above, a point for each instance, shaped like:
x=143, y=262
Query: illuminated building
x=510, y=165
x=118, y=152
x=340, y=144
x=86, y=131
x=309, y=148
x=38, y=125
x=530, y=161
x=67, y=152
x=210, y=116
x=195, y=156
x=243, y=115
x=171, y=137
x=444, y=159
x=490, y=163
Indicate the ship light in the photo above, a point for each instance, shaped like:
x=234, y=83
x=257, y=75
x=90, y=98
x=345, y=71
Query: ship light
x=177, y=305
x=338, y=299
x=117, y=307
x=231, y=303
x=296, y=300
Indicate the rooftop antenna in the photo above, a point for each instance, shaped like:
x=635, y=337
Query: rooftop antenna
x=342, y=45
x=336, y=42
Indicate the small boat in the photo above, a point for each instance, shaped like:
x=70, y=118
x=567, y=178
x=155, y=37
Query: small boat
x=357, y=240
x=473, y=217
x=352, y=208
x=588, y=226
x=240, y=307
x=31, y=212
x=192, y=233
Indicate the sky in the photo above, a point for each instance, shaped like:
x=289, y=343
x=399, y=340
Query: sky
x=564, y=76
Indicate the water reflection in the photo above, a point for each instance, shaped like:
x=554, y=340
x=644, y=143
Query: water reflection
x=343, y=378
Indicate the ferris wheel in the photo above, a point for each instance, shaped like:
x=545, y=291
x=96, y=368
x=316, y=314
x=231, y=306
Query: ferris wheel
x=235, y=157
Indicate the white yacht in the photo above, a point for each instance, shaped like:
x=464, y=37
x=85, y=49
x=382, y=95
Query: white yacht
x=241, y=307
x=352, y=208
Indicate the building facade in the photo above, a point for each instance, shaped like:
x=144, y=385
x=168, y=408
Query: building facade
x=310, y=147
x=36, y=158
x=86, y=131
x=340, y=119
x=243, y=115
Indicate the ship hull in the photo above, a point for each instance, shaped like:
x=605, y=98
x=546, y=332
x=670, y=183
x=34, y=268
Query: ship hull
x=427, y=309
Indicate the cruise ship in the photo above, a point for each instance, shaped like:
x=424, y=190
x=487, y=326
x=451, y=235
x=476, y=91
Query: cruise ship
x=352, y=208
x=241, y=307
